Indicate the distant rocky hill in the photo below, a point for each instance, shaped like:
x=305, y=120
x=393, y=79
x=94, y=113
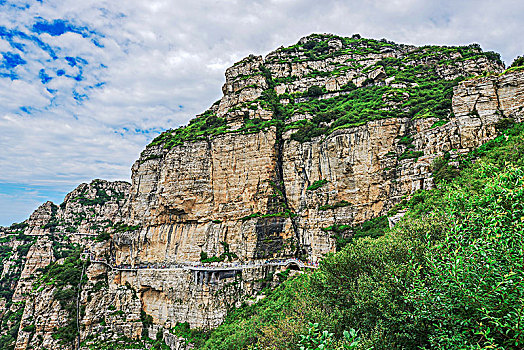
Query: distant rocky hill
x=90, y=208
x=305, y=145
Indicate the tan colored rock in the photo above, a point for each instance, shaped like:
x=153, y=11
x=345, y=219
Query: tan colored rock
x=39, y=256
x=248, y=192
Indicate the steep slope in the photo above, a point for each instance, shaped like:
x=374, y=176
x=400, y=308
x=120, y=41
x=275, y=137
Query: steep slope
x=89, y=208
x=304, y=144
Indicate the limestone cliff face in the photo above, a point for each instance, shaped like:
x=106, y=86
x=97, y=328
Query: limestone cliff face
x=196, y=195
x=241, y=182
x=251, y=190
x=191, y=197
x=49, y=235
x=104, y=313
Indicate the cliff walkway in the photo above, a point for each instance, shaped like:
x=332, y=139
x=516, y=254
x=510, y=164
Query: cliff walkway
x=197, y=266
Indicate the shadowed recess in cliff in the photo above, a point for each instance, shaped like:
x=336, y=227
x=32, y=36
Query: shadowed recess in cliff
x=269, y=237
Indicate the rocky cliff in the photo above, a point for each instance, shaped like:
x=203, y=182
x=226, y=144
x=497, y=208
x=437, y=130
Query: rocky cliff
x=242, y=172
x=89, y=208
x=41, y=261
x=306, y=144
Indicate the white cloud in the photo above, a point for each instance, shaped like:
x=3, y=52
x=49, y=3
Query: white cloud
x=163, y=61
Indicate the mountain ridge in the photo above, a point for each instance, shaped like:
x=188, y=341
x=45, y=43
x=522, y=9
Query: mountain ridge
x=308, y=148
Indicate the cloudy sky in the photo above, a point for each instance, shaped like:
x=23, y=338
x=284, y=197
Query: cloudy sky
x=85, y=85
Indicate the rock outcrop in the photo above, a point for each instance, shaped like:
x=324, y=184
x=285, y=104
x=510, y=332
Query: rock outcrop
x=89, y=208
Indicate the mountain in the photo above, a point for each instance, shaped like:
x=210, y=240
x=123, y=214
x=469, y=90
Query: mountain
x=310, y=148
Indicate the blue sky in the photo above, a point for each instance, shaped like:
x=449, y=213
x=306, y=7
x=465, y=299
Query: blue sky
x=84, y=86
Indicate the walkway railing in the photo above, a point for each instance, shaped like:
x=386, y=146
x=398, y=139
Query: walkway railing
x=197, y=266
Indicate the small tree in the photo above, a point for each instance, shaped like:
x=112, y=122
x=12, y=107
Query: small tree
x=518, y=62
x=314, y=91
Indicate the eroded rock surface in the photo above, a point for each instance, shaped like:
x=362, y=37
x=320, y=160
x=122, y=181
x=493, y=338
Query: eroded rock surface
x=251, y=191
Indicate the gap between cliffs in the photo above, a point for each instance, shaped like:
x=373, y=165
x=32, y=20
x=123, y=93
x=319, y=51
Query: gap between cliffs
x=277, y=110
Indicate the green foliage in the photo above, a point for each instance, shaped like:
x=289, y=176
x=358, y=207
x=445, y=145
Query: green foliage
x=227, y=254
x=192, y=336
x=442, y=170
x=18, y=226
x=373, y=228
x=317, y=184
x=66, y=279
x=316, y=339
x=51, y=226
x=410, y=154
x=30, y=328
x=103, y=236
x=344, y=234
x=123, y=227
x=439, y=123
x=147, y=321
x=336, y=205
x=286, y=213
x=517, y=62
x=207, y=124
x=23, y=249
x=62, y=247
x=314, y=91
x=250, y=216
x=10, y=326
x=351, y=339
x=504, y=123
x=101, y=197
x=426, y=93
x=405, y=140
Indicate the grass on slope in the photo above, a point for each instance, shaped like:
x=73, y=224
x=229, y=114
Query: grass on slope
x=449, y=276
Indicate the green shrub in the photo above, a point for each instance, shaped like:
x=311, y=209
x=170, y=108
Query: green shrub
x=227, y=254
x=518, y=62
x=442, y=171
x=340, y=204
x=317, y=184
x=30, y=328
x=123, y=227
x=410, y=154
x=103, y=236
x=504, y=123
x=314, y=91
x=316, y=339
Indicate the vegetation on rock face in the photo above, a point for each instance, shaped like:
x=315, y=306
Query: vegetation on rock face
x=417, y=88
x=226, y=255
x=122, y=227
x=12, y=263
x=207, y=124
x=66, y=278
x=344, y=234
x=518, y=62
x=317, y=184
x=417, y=91
x=450, y=275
